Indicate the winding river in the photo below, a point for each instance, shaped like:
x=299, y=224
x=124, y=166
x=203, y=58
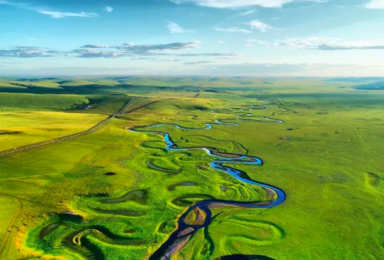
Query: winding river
x=201, y=211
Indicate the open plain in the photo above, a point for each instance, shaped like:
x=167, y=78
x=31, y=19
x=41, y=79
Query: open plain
x=191, y=168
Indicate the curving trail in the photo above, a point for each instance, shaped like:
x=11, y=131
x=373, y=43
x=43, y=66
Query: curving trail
x=199, y=215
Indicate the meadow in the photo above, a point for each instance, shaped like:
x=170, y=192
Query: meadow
x=118, y=194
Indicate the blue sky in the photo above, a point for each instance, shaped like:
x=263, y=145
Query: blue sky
x=192, y=37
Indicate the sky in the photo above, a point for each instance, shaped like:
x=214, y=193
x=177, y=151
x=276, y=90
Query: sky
x=321, y=38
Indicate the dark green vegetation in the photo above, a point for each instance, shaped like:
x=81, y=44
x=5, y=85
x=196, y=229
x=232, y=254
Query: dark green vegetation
x=114, y=194
x=372, y=86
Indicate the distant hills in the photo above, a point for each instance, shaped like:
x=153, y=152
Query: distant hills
x=371, y=86
x=356, y=79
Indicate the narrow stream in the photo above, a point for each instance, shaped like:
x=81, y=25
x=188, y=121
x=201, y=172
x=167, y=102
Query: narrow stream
x=179, y=238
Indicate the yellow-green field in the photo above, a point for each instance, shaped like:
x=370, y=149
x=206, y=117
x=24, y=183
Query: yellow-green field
x=23, y=128
x=117, y=194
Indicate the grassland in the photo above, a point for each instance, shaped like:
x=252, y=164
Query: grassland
x=24, y=128
x=116, y=194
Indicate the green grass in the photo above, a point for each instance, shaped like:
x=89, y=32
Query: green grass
x=10, y=208
x=23, y=128
x=326, y=156
x=14, y=102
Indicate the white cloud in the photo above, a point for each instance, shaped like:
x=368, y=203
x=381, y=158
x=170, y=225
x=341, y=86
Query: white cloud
x=19, y=5
x=241, y=3
x=88, y=53
x=249, y=12
x=300, y=43
x=232, y=30
x=145, y=51
x=27, y=52
x=175, y=28
x=196, y=63
x=158, y=49
x=375, y=4
x=260, y=26
x=320, y=43
x=108, y=9
x=53, y=14
x=95, y=46
x=350, y=46
x=60, y=15
x=219, y=42
x=213, y=54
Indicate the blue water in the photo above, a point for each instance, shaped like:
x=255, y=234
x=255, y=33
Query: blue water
x=220, y=163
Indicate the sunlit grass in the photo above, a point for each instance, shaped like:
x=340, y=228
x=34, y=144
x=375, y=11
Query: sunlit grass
x=326, y=156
